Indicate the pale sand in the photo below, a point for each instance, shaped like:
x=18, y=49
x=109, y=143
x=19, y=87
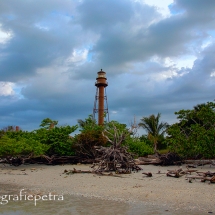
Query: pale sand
x=157, y=190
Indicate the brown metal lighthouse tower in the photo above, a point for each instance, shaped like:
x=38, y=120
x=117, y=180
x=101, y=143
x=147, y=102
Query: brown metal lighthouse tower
x=101, y=97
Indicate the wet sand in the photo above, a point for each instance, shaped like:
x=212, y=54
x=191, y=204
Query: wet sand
x=158, y=191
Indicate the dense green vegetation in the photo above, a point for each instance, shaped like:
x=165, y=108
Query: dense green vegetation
x=193, y=136
x=89, y=137
x=48, y=140
x=138, y=147
x=154, y=128
x=21, y=146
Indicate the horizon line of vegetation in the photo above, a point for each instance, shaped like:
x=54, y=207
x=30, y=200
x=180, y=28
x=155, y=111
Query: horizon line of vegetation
x=193, y=136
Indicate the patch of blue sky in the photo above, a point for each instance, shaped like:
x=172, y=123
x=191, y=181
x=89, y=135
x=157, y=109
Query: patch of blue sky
x=69, y=15
x=18, y=90
x=90, y=53
x=211, y=33
x=9, y=17
x=66, y=15
x=52, y=19
x=175, y=11
x=89, y=57
x=209, y=40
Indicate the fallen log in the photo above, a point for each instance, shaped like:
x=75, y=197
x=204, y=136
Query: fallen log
x=189, y=171
x=210, y=174
x=191, y=166
x=212, y=179
x=69, y=172
x=203, y=178
x=175, y=173
x=169, y=159
x=43, y=159
x=80, y=171
x=147, y=162
x=197, y=177
x=159, y=159
x=148, y=174
x=148, y=159
x=199, y=162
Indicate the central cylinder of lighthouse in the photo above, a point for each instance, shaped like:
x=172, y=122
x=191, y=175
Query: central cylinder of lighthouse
x=101, y=83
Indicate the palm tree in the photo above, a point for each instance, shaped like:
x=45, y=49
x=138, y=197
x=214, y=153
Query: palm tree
x=154, y=128
x=89, y=122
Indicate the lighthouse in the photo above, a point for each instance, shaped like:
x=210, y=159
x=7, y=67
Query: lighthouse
x=100, y=104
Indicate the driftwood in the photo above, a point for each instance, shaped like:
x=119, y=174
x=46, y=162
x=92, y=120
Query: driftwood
x=199, y=162
x=208, y=173
x=169, y=159
x=178, y=173
x=203, y=179
x=76, y=171
x=55, y=160
x=69, y=172
x=147, y=161
x=116, y=157
x=43, y=159
x=203, y=176
x=148, y=174
x=17, y=161
x=158, y=159
x=175, y=173
x=191, y=166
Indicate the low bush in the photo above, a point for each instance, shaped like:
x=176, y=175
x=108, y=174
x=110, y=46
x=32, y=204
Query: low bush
x=16, y=148
x=139, y=148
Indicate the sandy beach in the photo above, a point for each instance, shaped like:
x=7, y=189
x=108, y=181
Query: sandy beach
x=159, y=190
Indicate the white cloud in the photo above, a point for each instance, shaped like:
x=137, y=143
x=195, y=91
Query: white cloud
x=185, y=61
x=78, y=56
x=41, y=27
x=6, y=88
x=5, y=36
x=212, y=74
x=162, y=6
x=207, y=42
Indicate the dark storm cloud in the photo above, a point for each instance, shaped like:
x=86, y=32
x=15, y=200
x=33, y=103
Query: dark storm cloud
x=198, y=80
x=118, y=43
x=195, y=86
x=28, y=113
x=40, y=34
x=136, y=41
x=198, y=9
x=104, y=15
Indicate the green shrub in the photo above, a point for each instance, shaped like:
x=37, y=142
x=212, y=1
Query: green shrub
x=139, y=148
x=14, y=147
x=58, y=139
x=194, y=135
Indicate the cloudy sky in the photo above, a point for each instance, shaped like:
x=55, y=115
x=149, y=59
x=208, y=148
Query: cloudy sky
x=159, y=56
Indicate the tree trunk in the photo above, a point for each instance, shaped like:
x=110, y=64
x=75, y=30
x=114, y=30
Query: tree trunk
x=155, y=146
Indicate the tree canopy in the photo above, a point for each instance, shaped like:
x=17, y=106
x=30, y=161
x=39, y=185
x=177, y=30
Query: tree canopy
x=154, y=128
x=194, y=134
